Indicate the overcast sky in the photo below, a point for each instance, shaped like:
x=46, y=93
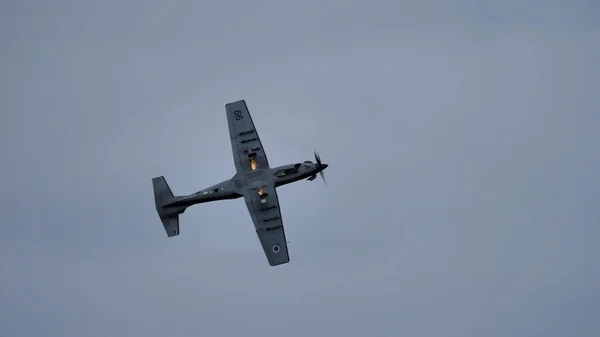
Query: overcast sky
x=462, y=195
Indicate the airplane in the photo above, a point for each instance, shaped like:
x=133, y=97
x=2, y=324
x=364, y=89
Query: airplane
x=254, y=180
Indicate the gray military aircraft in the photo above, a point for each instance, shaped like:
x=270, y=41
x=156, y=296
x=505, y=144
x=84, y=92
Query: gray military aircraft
x=254, y=180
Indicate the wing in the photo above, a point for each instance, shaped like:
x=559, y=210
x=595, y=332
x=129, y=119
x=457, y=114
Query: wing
x=248, y=152
x=269, y=224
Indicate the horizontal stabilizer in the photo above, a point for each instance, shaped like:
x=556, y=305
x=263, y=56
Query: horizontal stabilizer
x=168, y=215
x=162, y=191
x=171, y=224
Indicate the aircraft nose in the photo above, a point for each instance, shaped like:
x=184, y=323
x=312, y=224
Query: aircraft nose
x=324, y=166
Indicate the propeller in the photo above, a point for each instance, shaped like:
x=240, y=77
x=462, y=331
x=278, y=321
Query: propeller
x=320, y=166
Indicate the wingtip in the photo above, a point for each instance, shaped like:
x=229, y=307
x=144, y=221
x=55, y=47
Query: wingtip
x=279, y=263
x=238, y=101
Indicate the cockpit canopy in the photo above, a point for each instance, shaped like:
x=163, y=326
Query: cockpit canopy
x=287, y=171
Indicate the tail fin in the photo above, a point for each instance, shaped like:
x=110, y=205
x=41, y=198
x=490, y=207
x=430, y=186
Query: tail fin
x=169, y=216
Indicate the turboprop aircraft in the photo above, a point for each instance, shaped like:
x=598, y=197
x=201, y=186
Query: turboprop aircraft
x=254, y=180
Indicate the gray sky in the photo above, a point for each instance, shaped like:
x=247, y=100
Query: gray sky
x=462, y=195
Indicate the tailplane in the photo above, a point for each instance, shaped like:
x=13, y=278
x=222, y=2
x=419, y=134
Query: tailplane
x=168, y=215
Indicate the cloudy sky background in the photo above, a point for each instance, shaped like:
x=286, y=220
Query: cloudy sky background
x=462, y=195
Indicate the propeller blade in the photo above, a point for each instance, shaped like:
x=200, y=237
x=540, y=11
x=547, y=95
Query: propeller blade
x=317, y=158
x=323, y=176
x=319, y=164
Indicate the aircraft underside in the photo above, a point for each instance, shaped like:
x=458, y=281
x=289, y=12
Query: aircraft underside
x=254, y=180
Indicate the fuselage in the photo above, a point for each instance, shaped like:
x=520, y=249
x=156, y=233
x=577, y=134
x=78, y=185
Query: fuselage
x=286, y=174
x=234, y=188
